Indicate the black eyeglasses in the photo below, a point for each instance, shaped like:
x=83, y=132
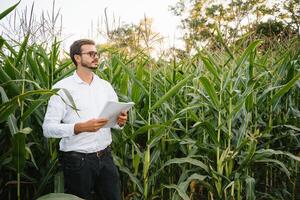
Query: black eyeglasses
x=92, y=54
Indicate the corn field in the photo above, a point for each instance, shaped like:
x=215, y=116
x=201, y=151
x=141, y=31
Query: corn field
x=220, y=124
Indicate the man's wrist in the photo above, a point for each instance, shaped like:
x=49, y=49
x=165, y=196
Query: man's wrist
x=77, y=128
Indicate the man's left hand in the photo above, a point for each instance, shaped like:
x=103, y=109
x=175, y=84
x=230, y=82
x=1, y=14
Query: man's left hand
x=122, y=119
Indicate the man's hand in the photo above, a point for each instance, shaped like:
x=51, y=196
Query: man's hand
x=122, y=118
x=92, y=125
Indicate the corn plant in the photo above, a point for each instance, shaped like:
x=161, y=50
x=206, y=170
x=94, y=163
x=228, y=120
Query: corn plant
x=27, y=74
x=221, y=124
x=198, y=125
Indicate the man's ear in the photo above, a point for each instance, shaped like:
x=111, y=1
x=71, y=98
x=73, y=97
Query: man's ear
x=77, y=58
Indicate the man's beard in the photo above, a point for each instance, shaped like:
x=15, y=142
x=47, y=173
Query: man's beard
x=85, y=65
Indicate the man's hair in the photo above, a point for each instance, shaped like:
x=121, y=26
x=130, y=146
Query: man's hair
x=75, y=48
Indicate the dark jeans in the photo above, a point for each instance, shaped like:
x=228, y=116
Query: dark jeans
x=84, y=173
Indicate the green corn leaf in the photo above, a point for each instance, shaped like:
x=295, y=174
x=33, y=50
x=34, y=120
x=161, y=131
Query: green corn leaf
x=154, y=156
x=171, y=92
x=62, y=67
x=6, y=112
x=11, y=119
x=59, y=196
x=1, y=42
x=220, y=39
x=8, y=10
x=147, y=157
x=181, y=193
x=249, y=102
x=210, y=90
x=136, y=163
x=183, y=185
x=186, y=160
x=154, y=140
x=23, y=49
x=44, y=65
x=116, y=73
x=35, y=84
x=136, y=93
x=292, y=127
x=8, y=107
x=50, y=171
x=250, y=188
x=5, y=78
x=246, y=54
x=18, y=151
x=210, y=67
x=250, y=68
x=137, y=149
x=249, y=154
x=70, y=99
x=133, y=178
x=284, y=89
x=145, y=128
x=65, y=74
x=279, y=163
x=124, y=84
x=33, y=107
x=133, y=77
x=59, y=182
x=12, y=124
x=210, y=130
x=33, y=66
x=54, y=57
x=10, y=48
x=21, y=97
x=264, y=153
x=28, y=150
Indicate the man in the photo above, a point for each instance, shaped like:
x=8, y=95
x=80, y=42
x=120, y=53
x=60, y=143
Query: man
x=85, y=145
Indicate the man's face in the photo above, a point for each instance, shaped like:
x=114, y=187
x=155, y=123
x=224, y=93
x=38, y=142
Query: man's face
x=89, y=57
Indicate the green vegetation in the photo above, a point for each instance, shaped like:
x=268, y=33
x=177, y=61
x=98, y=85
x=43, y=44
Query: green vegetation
x=220, y=124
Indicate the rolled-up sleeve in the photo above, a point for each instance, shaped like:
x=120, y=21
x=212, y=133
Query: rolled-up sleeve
x=52, y=125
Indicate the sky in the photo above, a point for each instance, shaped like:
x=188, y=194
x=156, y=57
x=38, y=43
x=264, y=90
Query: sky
x=79, y=15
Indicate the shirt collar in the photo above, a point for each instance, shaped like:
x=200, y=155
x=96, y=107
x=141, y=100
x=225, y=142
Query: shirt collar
x=79, y=80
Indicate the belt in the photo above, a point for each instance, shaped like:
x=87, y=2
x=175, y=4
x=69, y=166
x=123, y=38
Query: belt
x=98, y=154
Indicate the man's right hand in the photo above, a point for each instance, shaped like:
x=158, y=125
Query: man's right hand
x=92, y=125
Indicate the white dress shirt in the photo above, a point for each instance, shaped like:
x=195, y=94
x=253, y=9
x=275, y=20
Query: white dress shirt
x=90, y=99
